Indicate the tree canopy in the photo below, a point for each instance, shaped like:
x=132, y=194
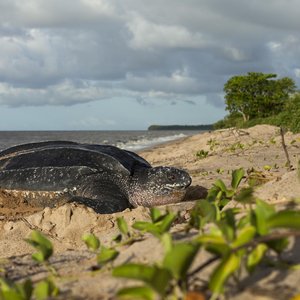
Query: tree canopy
x=257, y=95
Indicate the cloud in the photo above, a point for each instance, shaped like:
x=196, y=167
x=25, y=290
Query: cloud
x=78, y=51
x=151, y=36
x=65, y=93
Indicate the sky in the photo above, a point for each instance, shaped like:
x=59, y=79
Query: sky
x=127, y=64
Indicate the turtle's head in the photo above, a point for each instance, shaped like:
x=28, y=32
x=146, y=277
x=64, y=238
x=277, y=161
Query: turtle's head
x=158, y=186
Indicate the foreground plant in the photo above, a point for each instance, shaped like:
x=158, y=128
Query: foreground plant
x=26, y=290
x=236, y=240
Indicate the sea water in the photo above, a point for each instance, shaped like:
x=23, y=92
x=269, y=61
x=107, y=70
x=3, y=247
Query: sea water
x=129, y=140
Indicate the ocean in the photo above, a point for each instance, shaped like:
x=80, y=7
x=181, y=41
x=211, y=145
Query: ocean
x=129, y=140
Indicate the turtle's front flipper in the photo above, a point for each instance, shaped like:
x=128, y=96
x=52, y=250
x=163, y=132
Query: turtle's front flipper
x=103, y=197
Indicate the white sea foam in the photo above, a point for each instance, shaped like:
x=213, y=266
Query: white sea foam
x=143, y=143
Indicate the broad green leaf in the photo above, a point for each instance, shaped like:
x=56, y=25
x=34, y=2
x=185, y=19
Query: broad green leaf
x=147, y=227
x=106, y=255
x=45, y=289
x=166, y=223
x=221, y=185
x=137, y=293
x=11, y=295
x=42, y=244
x=157, y=228
x=5, y=285
x=142, y=225
x=229, y=194
x=245, y=195
x=227, y=224
x=228, y=265
x=244, y=236
x=261, y=213
x=157, y=278
x=179, y=258
x=25, y=288
x=237, y=176
x=213, y=194
x=91, y=241
x=155, y=214
x=122, y=225
x=166, y=240
x=284, y=219
x=255, y=256
x=227, y=230
x=243, y=221
x=203, y=212
x=214, y=244
x=12, y=291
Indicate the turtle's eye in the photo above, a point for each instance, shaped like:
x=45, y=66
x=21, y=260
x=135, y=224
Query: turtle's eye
x=171, y=177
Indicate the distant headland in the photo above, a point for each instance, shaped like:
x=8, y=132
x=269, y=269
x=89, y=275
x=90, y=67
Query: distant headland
x=181, y=127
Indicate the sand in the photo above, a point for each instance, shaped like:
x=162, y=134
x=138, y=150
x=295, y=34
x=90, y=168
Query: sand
x=258, y=150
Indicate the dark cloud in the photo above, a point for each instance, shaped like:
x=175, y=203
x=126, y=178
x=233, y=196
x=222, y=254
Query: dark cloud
x=78, y=51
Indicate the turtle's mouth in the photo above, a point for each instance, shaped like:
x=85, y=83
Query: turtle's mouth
x=178, y=186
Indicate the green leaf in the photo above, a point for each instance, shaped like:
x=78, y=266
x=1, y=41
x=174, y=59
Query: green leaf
x=221, y=185
x=237, y=176
x=245, y=195
x=166, y=240
x=278, y=245
x=106, y=255
x=155, y=214
x=45, y=289
x=137, y=293
x=166, y=223
x=157, y=278
x=227, y=224
x=203, y=212
x=261, y=213
x=157, y=228
x=122, y=225
x=213, y=194
x=11, y=295
x=42, y=244
x=27, y=288
x=179, y=258
x=255, y=256
x=12, y=291
x=284, y=219
x=228, y=265
x=214, y=244
x=91, y=241
x=245, y=235
x=267, y=167
x=147, y=227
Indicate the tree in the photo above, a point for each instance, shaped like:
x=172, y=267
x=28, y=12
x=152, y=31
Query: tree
x=257, y=94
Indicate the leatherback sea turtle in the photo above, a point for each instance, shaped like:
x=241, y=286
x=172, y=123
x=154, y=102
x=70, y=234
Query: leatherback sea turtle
x=103, y=177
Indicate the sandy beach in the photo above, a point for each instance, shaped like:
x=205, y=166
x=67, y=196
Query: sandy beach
x=206, y=156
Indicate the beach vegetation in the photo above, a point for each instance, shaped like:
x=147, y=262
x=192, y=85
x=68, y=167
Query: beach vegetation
x=212, y=143
x=40, y=290
x=201, y=154
x=258, y=98
x=257, y=94
x=236, y=239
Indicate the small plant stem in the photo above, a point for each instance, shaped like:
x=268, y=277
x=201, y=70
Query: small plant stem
x=203, y=266
x=285, y=149
x=51, y=269
x=267, y=238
